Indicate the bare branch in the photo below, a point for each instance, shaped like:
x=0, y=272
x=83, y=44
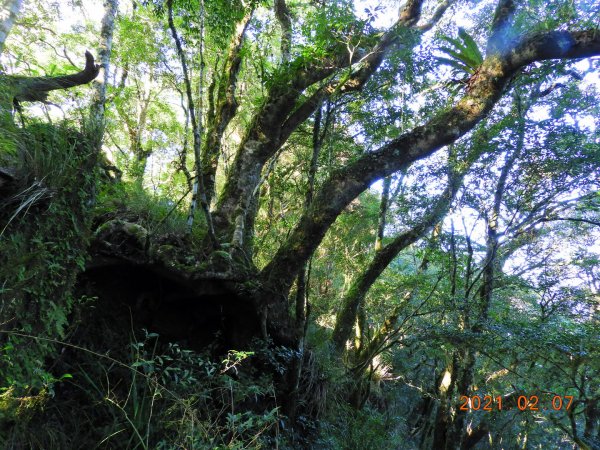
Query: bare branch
x=437, y=15
x=36, y=89
x=571, y=219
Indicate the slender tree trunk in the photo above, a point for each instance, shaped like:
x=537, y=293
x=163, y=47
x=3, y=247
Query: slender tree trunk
x=592, y=420
x=383, y=208
x=436, y=428
x=9, y=12
x=302, y=306
x=104, y=51
x=199, y=190
x=358, y=290
x=465, y=374
x=452, y=435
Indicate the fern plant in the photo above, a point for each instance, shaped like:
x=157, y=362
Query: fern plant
x=463, y=54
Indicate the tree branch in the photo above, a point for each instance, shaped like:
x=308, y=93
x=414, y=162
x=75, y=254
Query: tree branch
x=437, y=15
x=382, y=259
x=446, y=127
x=499, y=38
x=36, y=89
x=282, y=13
x=571, y=219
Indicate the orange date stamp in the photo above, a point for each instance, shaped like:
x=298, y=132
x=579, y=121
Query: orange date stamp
x=523, y=403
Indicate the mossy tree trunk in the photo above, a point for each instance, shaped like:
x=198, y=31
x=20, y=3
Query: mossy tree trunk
x=285, y=108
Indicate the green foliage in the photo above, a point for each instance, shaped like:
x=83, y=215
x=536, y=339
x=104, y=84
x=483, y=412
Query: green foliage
x=162, y=396
x=43, y=234
x=157, y=214
x=368, y=428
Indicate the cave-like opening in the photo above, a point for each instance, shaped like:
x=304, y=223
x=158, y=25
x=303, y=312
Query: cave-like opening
x=196, y=315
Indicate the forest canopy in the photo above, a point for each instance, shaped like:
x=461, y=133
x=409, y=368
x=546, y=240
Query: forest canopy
x=299, y=224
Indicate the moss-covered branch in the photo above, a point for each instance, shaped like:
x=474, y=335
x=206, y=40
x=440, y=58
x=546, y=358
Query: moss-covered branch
x=443, y=129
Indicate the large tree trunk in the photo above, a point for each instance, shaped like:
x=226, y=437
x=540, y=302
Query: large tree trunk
x=281, y=114
x=223, y=107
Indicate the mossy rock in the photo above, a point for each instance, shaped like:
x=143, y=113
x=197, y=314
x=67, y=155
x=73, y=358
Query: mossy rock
x=120, y=238
x=167, y=254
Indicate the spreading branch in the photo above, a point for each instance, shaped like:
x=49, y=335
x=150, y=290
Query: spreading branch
x=283, y=112
x=444, y=128
x=382, y=259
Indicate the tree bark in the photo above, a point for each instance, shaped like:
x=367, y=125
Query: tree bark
x=383, y=209
x=10, y=10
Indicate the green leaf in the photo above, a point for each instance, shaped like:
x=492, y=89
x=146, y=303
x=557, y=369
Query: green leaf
x=453, y=63
x=471, y=45
x=464, y=55
x=455, y=42
x=464, y=58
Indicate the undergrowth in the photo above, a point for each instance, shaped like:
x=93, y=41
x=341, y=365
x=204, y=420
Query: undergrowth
x=160, y=396
x=43, y=235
